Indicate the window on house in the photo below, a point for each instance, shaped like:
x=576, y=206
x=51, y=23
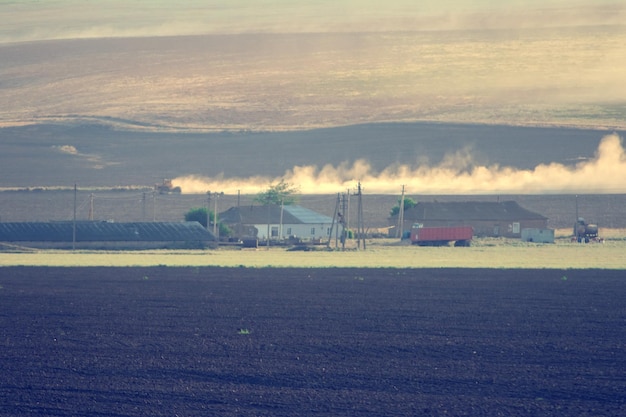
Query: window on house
x=516, y=228
x=274, y=231
x=289, y=231
x=312, y=231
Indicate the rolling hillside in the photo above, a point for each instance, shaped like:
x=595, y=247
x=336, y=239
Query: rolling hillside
x=96, y=155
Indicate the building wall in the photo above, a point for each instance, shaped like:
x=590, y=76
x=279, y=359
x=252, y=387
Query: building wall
x=303, y=231
x=538, y=235
x=511, y=229
x=488, y=228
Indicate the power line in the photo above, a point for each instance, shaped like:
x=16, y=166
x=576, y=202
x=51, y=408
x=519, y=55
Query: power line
x=399, y=230
x=360, y=226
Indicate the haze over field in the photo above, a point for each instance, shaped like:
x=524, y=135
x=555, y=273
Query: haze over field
x=284, y=65
x=71, y=19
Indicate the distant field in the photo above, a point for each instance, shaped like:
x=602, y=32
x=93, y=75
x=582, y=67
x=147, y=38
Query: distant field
x=287, y=82
x=385, y=253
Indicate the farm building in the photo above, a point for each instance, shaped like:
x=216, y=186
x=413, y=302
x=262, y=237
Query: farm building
x=538, y=235
x=495, y=219
x=281, y=221
x=105, y=235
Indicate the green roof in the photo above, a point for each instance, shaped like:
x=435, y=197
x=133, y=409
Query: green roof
x=291, y=214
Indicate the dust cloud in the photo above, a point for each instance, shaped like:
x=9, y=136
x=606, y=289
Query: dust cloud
x=456, y=174
x=96, y=161
x=68, y=149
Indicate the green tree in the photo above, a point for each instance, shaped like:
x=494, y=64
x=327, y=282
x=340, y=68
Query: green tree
x=199, y=214
x=408, y=203
x=281, y=193
x=224, y=230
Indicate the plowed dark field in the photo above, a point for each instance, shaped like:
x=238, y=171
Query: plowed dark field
x=303, y=342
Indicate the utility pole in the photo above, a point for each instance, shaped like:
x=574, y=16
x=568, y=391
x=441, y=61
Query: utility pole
x=208, y=210
x=399, y=230
x=215, y=228
x=269, y=219
x=91, y=207
x=74, y=221
x=344, y=232
x=143, y=206
x=337, y=222
x=360, y=227
x=239, y=225
x=154, y=206
x=347, y=211
x=280, y=225
x=334, y=224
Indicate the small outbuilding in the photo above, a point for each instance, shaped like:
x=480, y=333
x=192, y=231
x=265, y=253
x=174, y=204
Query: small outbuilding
x=538, y=235
x=105, y=235
x=493, y=219
x=277, y=222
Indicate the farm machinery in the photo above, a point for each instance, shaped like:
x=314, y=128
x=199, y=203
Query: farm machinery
x=167, y=187
x=585, y=232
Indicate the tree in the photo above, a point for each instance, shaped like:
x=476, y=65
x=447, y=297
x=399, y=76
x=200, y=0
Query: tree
x=281, y=193
x=408, y=203
x=199, y=214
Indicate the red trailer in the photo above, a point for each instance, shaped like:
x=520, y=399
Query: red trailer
x=441, y=236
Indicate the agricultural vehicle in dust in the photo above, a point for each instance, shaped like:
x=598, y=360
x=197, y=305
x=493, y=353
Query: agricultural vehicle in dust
x=167, y=187
x=441, y=236
x=585, y=232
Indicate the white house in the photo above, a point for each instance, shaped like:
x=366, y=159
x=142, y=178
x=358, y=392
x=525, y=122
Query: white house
x=281, y=222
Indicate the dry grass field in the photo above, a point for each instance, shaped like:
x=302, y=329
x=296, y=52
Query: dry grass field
x=295, y=81
x=379, y=253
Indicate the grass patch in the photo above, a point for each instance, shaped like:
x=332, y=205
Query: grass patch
x=380, y=253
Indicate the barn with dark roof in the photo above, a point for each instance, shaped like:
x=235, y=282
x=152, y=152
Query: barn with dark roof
x=505, y=219
x=105, y=235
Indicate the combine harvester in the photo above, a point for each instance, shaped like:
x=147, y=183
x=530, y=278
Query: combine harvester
x=167, y=187
x=441, y=236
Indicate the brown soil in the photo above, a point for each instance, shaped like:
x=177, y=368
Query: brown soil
x=329, y=342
